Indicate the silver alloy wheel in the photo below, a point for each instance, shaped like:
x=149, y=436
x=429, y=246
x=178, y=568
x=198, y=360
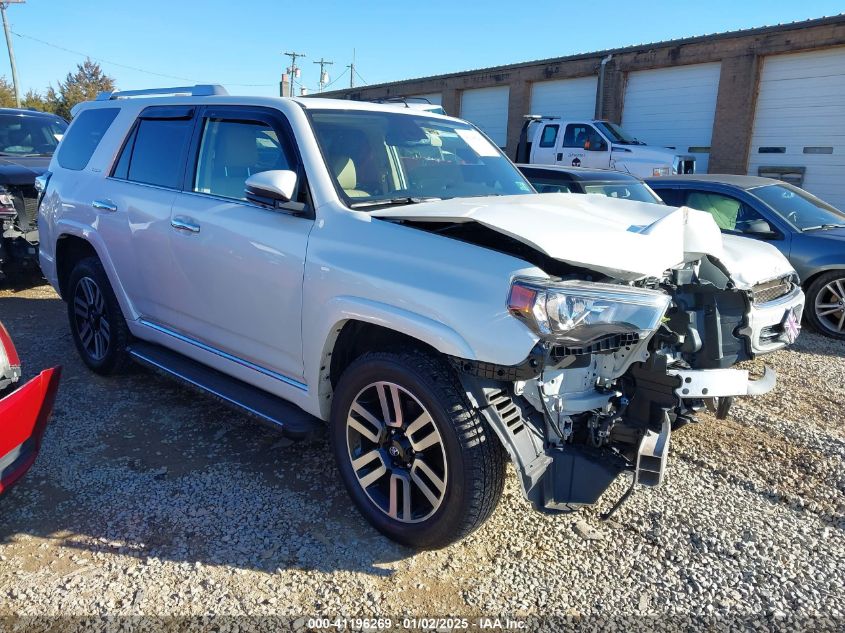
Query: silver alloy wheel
x=830, y=306
x=92, y=326
x=396, y=452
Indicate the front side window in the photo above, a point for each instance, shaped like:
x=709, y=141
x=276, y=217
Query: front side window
x=379, y=157
x=549, y=136
x=583, y=136
x=730, y=214
x=155, y=152
x=84, y=137
x=232, y=151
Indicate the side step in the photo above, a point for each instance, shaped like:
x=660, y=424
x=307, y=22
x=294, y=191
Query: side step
x=257, y=403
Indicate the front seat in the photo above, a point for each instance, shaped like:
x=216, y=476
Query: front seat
x=347, y=177
x=235, y=160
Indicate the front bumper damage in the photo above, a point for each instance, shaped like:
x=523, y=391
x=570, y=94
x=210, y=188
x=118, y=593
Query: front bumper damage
x=561, y=474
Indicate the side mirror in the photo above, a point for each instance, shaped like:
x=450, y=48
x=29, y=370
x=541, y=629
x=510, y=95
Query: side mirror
x=271, y=188
x=759, y=227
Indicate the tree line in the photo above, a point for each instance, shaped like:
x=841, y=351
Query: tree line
x=83, y=84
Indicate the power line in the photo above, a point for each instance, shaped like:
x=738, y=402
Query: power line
x=361, y=78
x=293, y=70
x=126, y=66
x=323, y=76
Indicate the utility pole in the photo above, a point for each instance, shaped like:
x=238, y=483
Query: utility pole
x=351, y=68
x=324, y=78
x=3, y=5
x=294, y=69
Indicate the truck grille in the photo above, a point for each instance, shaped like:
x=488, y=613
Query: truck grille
x=771, y=290
x=26, y=204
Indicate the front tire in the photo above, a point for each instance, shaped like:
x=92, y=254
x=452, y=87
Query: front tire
x=96, y=321
x=420, y=464
x=826, y=304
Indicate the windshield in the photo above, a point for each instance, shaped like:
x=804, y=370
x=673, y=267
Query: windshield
x=382, y=158
x=636, y=191
x=23, y=135
x=616, y=133
x=802, y=210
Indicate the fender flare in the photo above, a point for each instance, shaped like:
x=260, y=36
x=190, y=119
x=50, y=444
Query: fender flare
x=342, y=309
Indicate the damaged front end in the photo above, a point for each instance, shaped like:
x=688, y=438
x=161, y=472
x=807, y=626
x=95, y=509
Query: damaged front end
x=617, y=368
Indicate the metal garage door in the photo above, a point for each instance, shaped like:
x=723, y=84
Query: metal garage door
x=674, y=107
x=800, y=120
x=566, y=98
x=488, y=109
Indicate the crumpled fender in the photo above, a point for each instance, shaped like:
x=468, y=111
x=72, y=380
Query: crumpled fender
x=24, y=414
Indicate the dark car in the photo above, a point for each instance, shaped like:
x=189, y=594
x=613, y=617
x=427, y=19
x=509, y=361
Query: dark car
x=807, y=230
x=606, y=182
x=27, y=142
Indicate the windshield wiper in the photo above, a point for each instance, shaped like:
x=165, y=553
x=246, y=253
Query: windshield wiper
x=390, y=202
x=823, y=227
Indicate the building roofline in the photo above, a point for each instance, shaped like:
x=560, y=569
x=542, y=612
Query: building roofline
x=759, y=30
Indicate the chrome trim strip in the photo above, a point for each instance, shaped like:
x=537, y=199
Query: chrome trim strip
x=170, y=371
x=222, y=354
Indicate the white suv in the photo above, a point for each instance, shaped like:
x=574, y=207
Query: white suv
x=389, y=272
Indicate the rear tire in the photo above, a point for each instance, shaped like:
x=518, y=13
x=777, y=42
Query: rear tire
x=825, y=308
x=96, y=320
x=428, y=475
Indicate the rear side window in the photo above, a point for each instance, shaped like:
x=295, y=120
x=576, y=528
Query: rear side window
x=84, y=135
x=549, y=136
x=154, y=154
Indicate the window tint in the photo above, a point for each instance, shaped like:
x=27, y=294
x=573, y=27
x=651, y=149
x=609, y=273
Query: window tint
x=730, y=214
x=155, y=153
x=549, y=136
x=232, y=151
x=85, y=134
x=584, y=137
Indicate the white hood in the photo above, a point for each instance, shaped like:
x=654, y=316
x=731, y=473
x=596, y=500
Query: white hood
x=622, y=239
x=752, y=261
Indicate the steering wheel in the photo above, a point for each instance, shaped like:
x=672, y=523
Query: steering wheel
x=792, y=216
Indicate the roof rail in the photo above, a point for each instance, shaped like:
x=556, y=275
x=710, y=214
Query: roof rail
x=404, y=100
x=200, y=90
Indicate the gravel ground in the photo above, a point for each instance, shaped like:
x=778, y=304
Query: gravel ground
x=148, y=499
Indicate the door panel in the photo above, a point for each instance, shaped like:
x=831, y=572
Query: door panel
x=237, y=267
x=237, y=283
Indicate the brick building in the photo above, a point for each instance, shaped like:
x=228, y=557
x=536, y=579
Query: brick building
x=767, y=100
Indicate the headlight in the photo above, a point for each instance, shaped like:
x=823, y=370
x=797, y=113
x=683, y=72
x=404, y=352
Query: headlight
x=8, y=213
x=661, y=171
x=578, y=312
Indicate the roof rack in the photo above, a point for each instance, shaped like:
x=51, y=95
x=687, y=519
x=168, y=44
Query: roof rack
x=404, y=100
x=200, y=90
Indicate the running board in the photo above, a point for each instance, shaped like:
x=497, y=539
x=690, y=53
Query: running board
x=245, y=398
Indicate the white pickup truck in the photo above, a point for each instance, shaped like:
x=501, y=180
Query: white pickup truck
x=596, y=144
x=390, y=274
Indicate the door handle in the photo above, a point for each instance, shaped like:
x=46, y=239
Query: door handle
x=104, y=205
x=559, y=156
x=182, y=223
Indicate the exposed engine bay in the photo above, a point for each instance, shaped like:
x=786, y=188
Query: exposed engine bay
x=581, y=409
